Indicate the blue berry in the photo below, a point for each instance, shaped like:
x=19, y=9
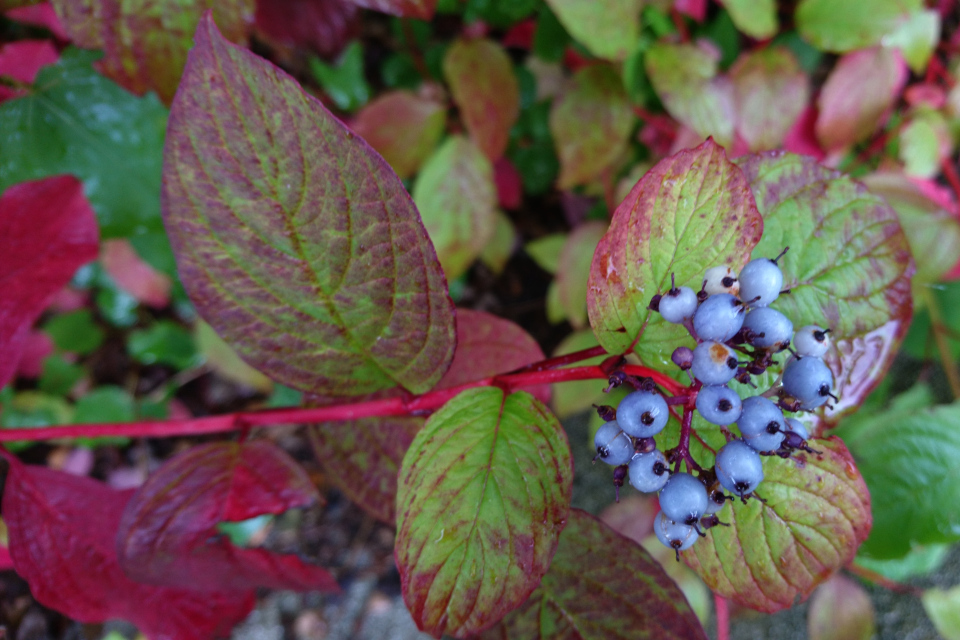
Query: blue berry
x=720, y=280
x=760, y=282
x=678, y=305
x=769, y=329
x=739, y=468
x=718, y=404
x=808, y=380
x=643, y=414
x=649, y=471
x=718, y=318
x=761, y=423
x=674, y=535
x=683, y=498
x=798, y=428
x=713, y=363
x=812, y=341
x=613, y=446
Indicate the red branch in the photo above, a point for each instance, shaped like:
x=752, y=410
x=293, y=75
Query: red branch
x=874, y=577
x=723, y=617
x=397, y=406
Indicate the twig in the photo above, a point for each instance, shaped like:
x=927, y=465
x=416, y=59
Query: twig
x=723, y=617
x=874, y=577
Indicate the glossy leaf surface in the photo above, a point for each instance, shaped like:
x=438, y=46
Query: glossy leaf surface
x=145, y=46
x=47, y=231
x=608, y=28
x=168, y=534
x=691, y=211
x=849, y=266
x=362, y=457
x=484, y=87
x=816, y=515
x=590, y=123
x=685, y=78
x=457, y=199
x=770, y=92
x=483, y=495
x=403, y=127
x=586, y=596
x=76, y=121
x=61, y=536
x=295, y=240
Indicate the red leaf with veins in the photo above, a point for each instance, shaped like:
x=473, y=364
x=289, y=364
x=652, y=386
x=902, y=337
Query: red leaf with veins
x=168, y=534
x=61, y=530
x=325, y=26
x=47, y=231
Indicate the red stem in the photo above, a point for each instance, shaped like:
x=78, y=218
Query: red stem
x=874, y=577
x=723, y=617
x=570, y=358
x=397, y=406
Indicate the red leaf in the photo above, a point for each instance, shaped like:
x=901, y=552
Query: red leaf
x=23, y=59
x=509, y=184
x=40, y=15
x=135, y=276
x=47, y=231
x=326, y=26
x=520, y=35
x=422, y=9
x=37, y=346
x=696, y=9
x=61, y=530
x=168, y=533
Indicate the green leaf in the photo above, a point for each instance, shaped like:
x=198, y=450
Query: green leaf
x=59, y=376
x=498, y=251
x=550, y=39
x=32, y=409
x=545, y=251
x=916, y=38
x=344, y=82
x=225, y=361
x=932, y=232
x=920, y=561
x=840, y=609
x=590, y=123
x=756, y=18
x=104, y=404
x=75, y=332
x=165, y=343
x=685, y=78
x=76, y=121
x=848, y=267
x=943, y=607
x=608, y=28
x=909, y=458
x=538, y=166
x=484, y=87
x=842, y=27
x=145, y=45
x=483, y=494
x=117, y=307
x=306, y=255
x=585, y=596
x=573, y=270
x=817, y=512
x=691, y=211
x=924, y=143
x=770, y=91
x=457, y=199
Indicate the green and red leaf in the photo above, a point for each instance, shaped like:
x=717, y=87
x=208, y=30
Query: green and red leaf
x=403, y=127
x=770, y=91
x=324, y=26
x=573, y=270
x=145, y=48
x=168, y=534
x=590, y=123
x=295, y=240
x=816, y=514
x=601, y=586
x=691, y=211
x=841, y=28
x=484, y=492
x=458, y=201
x=484, y=87
x=849, y=266
x=608, y=28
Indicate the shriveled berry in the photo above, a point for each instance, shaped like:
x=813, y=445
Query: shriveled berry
x=682, y=357
x=721, y=279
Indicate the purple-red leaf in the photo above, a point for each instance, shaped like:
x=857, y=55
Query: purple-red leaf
x=325, y=26
x=601, y=586
x=483, y=494
x=770, y=91
x=47, y=231
x=362, y=457
x=294, y=239
x=22, y=60
x=168, y=534
x=422, y=9
x=403, y=127
x=481, y=79
x=858, y=95
x=145, y=47
x=62, y=542
x=691, y=211
x=590, y=123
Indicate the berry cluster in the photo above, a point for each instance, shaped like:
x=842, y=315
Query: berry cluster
x=737, y=334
